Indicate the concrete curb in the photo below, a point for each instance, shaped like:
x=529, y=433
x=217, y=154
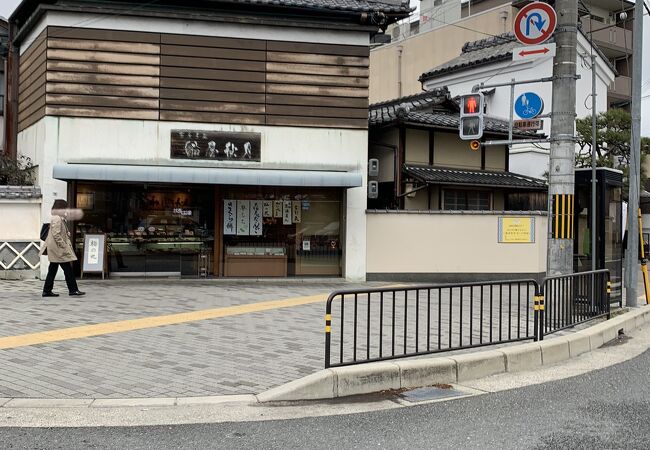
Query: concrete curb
x=380, y=376
x=124, y=402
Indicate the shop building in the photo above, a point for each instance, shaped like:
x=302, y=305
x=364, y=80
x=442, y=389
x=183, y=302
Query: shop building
x=203, y=138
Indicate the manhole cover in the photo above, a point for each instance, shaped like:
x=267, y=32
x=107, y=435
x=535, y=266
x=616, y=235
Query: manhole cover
x=429, y=393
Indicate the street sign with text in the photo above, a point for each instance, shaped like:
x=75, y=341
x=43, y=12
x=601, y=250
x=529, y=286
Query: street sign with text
x=528, y=125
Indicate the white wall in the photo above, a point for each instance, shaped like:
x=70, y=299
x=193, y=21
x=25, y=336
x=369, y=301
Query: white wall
x=498, y=104
x=20, y=219
x=195, y=27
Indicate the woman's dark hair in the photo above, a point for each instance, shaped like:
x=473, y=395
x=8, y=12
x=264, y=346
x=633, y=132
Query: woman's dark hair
x=60, y=204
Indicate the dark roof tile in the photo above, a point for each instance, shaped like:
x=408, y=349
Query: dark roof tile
x=461, y=177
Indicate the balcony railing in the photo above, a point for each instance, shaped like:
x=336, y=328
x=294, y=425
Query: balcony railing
x=613, y=40
x=621, y=87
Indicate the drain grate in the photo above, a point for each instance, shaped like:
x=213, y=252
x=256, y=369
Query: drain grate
x=429, y=393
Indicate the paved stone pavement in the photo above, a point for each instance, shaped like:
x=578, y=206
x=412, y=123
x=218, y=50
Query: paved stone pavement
x=239, y=354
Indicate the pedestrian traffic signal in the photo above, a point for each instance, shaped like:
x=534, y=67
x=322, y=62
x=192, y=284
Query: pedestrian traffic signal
x=471, y=116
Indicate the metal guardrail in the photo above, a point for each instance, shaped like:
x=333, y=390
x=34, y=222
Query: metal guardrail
x=398, y=322
x=401, y=321
x=573, y=299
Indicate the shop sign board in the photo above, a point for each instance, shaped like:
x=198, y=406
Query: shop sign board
x=535, y=23
x=243, y=218
x=216, y=145
x=256, y=217
x=94, y=254
x=287, y=212
x=516, y=230
x=296, y=211
x=229, y=217
x=267, y=208
x=277, y=209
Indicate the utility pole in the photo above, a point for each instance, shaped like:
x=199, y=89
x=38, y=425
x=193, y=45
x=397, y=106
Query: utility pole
x=562, y=158
x=635, y=161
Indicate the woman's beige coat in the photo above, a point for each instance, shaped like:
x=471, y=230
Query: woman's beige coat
x=58, y=244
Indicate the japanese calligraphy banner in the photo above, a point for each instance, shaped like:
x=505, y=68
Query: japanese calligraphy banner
x=229, y=217
x=256, y=218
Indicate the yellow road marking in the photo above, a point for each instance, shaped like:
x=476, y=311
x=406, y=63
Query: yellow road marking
x=65, y=334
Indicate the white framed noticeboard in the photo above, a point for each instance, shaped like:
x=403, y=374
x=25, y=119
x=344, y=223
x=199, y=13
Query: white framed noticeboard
x=94, y=254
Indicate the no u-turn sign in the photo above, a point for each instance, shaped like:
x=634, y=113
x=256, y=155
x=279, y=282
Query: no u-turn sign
x=535, y=23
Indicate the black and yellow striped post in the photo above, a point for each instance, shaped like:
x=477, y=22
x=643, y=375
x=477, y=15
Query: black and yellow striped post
x=538, y=307
x=562, y=220
x=328, y=334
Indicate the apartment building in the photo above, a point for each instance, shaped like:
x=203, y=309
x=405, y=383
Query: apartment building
x=444, y=26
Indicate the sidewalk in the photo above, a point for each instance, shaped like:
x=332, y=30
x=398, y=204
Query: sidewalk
x=161, y=338
x=237, y=354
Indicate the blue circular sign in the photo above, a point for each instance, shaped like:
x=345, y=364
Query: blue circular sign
x=529, y=105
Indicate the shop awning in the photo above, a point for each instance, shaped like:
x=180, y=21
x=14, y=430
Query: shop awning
x=205, y=175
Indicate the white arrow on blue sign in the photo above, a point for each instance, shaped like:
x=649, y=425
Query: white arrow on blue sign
x=529, y=105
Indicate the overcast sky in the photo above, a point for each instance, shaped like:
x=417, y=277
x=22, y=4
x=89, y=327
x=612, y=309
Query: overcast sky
x=7, y=7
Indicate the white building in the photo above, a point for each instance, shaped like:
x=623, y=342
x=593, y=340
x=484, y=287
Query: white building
x=226, y=139
x=489, y=61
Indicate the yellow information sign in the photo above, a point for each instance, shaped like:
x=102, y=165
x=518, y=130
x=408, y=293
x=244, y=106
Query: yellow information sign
x=517, y=230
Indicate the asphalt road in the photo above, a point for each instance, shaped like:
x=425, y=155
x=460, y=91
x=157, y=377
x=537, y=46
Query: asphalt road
x=606, y=408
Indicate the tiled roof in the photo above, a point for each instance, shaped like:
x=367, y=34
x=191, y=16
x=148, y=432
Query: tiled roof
x=13, y=192
x=461, y=177
x=476, y=53
x=489, y=50
x=384, y=6
x=434, y=108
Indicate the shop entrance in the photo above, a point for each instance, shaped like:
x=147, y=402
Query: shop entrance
x=150, y=230
x=280, y=232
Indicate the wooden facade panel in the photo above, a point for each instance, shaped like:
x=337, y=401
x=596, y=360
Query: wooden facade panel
x=206, y=52
x=318, y=69
x=191, y=105
x=117, y=69
x=35, y=58
x=98, y=78
x=34, y=46
x=212, y=85
x=326, y=122
x=109, y=57
x=103, y=101
x=213, y=41
x=319, y=49
x=33, y=77
x=317, y=111
x=31, y=120
x=212, y=63
x=323, y=80
x=215, y=96
x=31, y=109
x=193, y=116
x=104, y=46
x=109, y=113
x=27, y=98
x=103, y=35
x=99, y=89
x=308, y=58
x=212, y=74
x=310, y=100
x=326, y=91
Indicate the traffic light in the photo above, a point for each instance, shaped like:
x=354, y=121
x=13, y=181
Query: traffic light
x=471, y=116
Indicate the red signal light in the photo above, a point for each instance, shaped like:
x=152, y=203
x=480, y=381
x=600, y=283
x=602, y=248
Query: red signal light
x=471, y=104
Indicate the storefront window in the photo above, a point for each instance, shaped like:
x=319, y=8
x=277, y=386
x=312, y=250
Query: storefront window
x=151, y=230
x=281, y=232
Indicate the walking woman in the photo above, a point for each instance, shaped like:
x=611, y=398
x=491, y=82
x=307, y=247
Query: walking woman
x=59, y=250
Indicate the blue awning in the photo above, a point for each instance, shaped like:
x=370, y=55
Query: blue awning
x=206, y=175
